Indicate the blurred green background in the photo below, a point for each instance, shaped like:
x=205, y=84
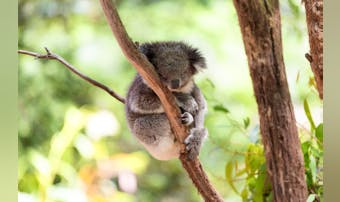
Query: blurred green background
x=74, y=144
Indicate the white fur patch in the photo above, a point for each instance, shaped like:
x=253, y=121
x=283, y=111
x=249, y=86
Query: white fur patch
x=187, y=88
x=198, y=66
x=134, y=107
x=166, y=149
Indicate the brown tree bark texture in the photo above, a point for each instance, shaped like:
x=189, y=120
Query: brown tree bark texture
x=314, y=17
x=146, y=70
x=261, y=31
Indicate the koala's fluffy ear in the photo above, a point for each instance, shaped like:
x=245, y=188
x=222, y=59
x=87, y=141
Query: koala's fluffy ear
x=147, y=50
x=197, y=61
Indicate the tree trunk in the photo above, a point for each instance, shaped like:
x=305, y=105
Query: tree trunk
x=314, y=17
x=261, y=30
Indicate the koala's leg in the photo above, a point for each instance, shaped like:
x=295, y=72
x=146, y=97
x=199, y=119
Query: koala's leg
x=194, y=141
x=154, y=132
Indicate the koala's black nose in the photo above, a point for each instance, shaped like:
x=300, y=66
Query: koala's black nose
x=175, y=83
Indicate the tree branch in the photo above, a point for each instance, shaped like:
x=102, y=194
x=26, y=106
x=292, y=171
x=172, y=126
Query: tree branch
x=314, y=18
x=146, y=70
x=53, y=56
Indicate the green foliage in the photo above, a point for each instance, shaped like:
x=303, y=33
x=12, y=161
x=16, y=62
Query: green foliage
x=229, y=168
x=311, y=198
x=313, y=154
x=246, y=122
x=221, y=108
x=308, y=114
x=257, y=186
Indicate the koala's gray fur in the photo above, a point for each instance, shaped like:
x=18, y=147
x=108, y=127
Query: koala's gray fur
x=176, y=63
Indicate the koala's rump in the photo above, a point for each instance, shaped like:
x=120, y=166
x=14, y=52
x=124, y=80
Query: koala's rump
x=154, y=132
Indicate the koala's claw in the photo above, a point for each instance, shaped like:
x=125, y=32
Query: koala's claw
x=194, y=141
x=187, y=118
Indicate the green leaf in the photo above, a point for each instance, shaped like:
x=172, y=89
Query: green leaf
x=244, y=194
x=210, y=83
x=305, y=147
x=312, y=82
x=308, y=114
x=311, y=198
x=319, y=132
x=258, y=192
x=255, y=158
x=221, y=108
x=229, y=175
x=312, y=166
x=246, y=122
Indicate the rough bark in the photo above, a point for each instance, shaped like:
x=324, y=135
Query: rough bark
x=314, y=17
x=261, y=31
x=146, y=70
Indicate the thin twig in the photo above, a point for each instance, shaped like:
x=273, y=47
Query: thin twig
x=53, y=56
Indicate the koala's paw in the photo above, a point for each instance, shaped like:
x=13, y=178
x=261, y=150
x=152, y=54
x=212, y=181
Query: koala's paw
x=194, y=141
x=190, y=106
x=187, y=118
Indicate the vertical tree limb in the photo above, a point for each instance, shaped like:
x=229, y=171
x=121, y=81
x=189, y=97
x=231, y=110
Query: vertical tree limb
x=146, y=70
x=314, y=17
x=261, y=31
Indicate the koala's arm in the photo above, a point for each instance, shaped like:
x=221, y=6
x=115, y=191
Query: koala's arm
x=194, y=103
x=202, y=107
x=187, y=103
x=198, y=132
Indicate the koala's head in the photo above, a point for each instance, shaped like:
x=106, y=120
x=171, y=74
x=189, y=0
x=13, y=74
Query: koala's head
x=175, y=62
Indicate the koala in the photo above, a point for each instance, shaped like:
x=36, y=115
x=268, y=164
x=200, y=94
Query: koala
x=176, y=63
